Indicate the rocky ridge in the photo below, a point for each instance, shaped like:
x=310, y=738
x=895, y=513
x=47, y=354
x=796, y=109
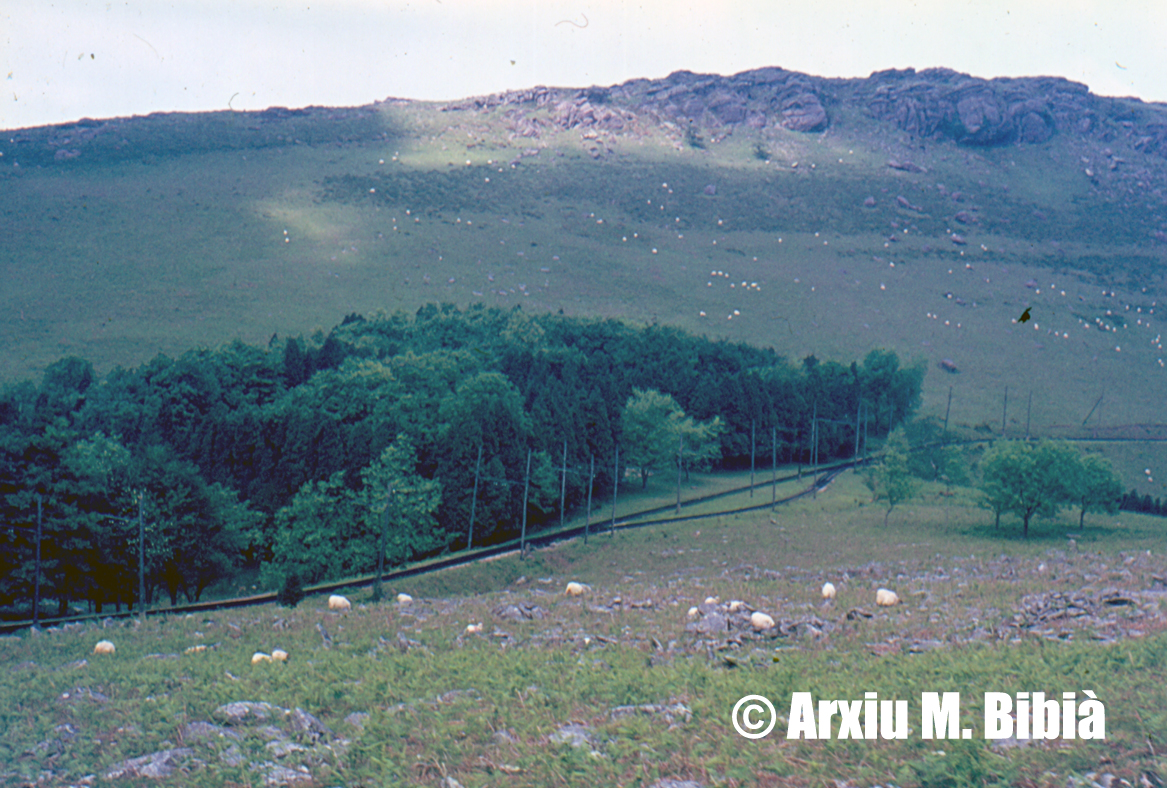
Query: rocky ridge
x=935, y=103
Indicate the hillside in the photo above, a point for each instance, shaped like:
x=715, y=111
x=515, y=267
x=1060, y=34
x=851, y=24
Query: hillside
x=650, y=201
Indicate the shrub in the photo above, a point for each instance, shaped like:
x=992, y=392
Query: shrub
x=292, y=590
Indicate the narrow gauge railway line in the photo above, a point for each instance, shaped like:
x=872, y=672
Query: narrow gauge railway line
x=633, y=520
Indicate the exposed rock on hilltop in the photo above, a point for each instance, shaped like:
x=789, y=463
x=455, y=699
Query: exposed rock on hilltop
x=937, y=103
x=934, y=103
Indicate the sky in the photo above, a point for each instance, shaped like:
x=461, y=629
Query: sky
x=68, y=59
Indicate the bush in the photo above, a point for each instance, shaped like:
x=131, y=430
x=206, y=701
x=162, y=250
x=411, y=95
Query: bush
x=292, y=591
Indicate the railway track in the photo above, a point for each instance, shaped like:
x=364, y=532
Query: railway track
x=639, y=519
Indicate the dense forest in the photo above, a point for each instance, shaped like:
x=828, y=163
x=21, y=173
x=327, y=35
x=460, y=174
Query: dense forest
x=291, y=457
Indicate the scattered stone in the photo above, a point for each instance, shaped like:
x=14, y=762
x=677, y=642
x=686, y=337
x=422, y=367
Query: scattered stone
x=669, y=782
x=280, y=775
x=157, y=764
x=358, y=719
x=519, y=611
x=281, y=748
x=575, y=735
x=232, y=756
x=669, y=713
x=247, y=711
x=905, y=166
x=301, y=722
x=869, y=202
x=198, y=730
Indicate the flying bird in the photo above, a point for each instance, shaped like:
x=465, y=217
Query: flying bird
x=1024, y=316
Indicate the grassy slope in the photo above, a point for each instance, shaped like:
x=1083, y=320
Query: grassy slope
x=116, y=258
x=955, y=575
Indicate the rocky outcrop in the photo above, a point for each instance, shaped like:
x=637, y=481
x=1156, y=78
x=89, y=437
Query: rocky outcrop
x=933, y=103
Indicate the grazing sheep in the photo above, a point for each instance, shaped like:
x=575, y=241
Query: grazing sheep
x=104, y=647
x=693, y=612
x=200, y=648
x=339, y=603
x=474, y=629
x=761, y=621
x=259, y=657
x=828, y=590
x=575, y=589
x=279, y=655
x=404, y=599
x=735, y=605
x=712, y=600
x=886, y=598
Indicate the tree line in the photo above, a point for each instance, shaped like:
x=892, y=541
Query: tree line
x=1024, y=478
x=289, y=456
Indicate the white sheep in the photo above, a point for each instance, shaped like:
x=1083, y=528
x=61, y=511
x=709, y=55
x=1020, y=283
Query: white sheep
x=693, y=612
x=199, y=649
x=760, y=621
x=474, y=629
x=712, y=600
x=279, y=655
x=576, y=589
x=339, y=603
x=404, y=599
x=886, y=598
x=735, y=605
x=828, y=590
x=104, y=647
x=259, y=657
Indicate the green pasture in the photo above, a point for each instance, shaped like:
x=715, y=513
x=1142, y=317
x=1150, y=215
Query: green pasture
x=117, y=257
x=482, y=709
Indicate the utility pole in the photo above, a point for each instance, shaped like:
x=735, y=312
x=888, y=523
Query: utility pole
x=752, y=442
x=680, y=462
x=141, y=557
x=474, y=499
x=591, y=483
x=381, y=549
x=814, y=451
x=526, y=488
x=866, y=419
x=615, y=487
x=858, y=408
x=773, y=465
x=563, y=485
x=946, y=411
x=1004, y=410
x=36, y=593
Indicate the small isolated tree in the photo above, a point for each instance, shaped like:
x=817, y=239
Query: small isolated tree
x=1028, y=479
x=891, y=480
x=1095, y=488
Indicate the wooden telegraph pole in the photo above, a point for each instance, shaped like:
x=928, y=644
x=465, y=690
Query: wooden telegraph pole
x=773, y=465
x=141, y=557
x=615, y=487
x=526, y=489
x=591, y=483
x=1004, y=410
x=752, y=446
x=36, y=593
x=474, y=499
x=563, y=486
